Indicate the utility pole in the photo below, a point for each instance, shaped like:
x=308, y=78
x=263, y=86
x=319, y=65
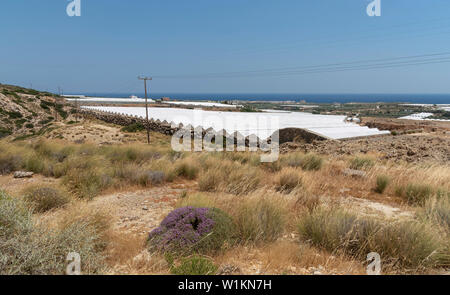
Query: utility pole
x=76, y=109
x=145, y=79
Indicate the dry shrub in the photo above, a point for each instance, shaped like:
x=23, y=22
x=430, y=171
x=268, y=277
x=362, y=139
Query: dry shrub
x=287, y=180
x=9, y=161
x=86, y=183
x=362, y=162
x=415, y=193
x=242, y=180
x=210, y=180
x=194, y=265
x=307, y=200
x=97, y=220
x=28, y=248
x=308, y=162
x=418, y=194
x=437, y=210
x=402, y=244
x=259, y=218
x=135, y=153
x=230, y=178
x=134, y=174
x=187, y=168
x=43, y=198
x=123, y=248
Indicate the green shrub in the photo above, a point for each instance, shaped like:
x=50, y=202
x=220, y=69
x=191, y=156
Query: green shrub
x=135, y=127
x=14, y=115
x=194, y=265
x=308, y=162
x=4, y=132
x=259, y=220
x=34, y=163
x=359, y=163
x=403, y=243
x=417, y=194
x=44, y=199
x=311, y=162
x=382, y=183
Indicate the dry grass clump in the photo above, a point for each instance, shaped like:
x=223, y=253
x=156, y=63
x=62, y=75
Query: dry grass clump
x=415, y=193
x=362, y=162
x=259, y=219
x=287, y=180
x=28, y=248
x=307, y=200
x=251, y=159
x=381, y=183
x=308, y=162
x=98, y=221
x=437, y=210
x=43, y=198
x=11, y=158
x=187, y=168
x=136, y=153
x=210, y=180
x=133, y=174
x=401, y=244
x=229, y=177
x=86, y=184
x=194, y=265
x=242, y=181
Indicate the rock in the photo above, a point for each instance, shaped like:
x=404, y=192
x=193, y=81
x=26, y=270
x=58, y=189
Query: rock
x=145, y=208
x=228, y=269
x=354, y=173
x=23, y=174
x=411, y=152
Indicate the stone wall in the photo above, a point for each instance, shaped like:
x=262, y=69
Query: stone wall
x=125, y=120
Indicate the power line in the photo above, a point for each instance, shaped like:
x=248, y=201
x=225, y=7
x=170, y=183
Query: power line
x=343, y=66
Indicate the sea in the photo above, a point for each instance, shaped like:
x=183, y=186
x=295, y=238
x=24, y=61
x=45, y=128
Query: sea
x=309, y=98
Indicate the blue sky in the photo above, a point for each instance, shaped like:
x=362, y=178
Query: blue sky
x=114, y=41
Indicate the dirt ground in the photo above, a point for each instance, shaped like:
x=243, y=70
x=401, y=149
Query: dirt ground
x=97, y=132
x=418, y=147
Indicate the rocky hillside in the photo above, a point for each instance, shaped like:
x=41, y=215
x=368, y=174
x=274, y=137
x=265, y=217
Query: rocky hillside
x=27, y=112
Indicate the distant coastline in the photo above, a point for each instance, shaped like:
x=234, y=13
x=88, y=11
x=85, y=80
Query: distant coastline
x=309, y=98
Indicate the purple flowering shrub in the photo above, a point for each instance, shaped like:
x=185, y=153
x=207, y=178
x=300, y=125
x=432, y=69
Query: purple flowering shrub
x=188, y=229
